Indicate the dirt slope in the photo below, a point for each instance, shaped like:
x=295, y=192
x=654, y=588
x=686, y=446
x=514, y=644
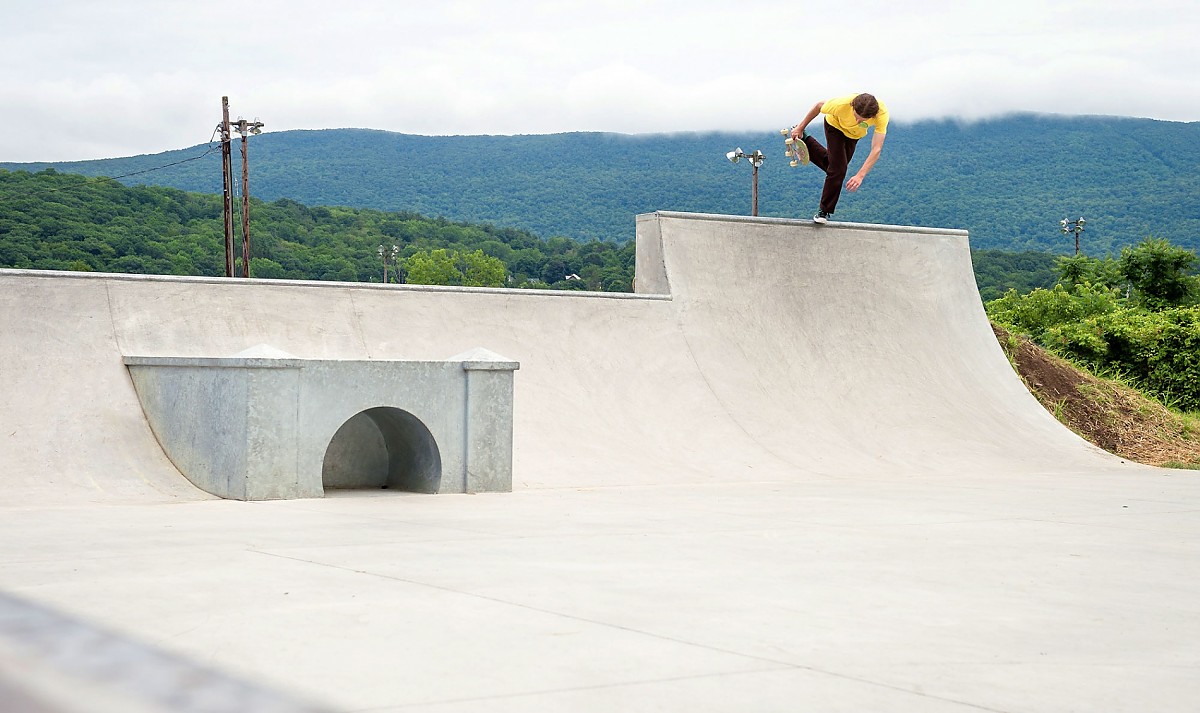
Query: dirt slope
x=1117, y=418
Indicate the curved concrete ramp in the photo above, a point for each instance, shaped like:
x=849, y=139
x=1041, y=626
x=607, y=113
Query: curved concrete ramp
x=757, y=349
x=849, y=348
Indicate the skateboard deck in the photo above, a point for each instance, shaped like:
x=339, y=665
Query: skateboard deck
x=797, y=151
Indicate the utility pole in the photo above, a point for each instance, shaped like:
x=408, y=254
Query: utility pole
x=227, y=176
x=244, y=128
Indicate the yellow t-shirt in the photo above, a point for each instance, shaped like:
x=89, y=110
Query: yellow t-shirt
x=840, y=115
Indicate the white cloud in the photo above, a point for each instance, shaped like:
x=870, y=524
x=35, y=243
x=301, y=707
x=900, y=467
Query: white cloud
x=136, y=76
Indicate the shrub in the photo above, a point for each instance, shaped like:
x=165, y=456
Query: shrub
x=1160, y=351
x=1039, y=311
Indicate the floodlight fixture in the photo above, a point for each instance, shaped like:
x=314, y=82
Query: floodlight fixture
x=1073, y=226
x=389, y=258
x=244, y=127
x=756, y=159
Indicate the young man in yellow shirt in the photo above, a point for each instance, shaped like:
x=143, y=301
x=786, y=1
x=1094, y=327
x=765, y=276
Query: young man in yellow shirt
x=846, y=121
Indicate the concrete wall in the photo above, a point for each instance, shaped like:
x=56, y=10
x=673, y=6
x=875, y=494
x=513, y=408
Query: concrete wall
x=268, y=428
x=761, y=349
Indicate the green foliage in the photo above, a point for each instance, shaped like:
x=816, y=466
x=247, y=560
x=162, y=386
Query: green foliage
x=1160, y=351
x=53, y=221
x=1125, y=175
x=998, y=271
x=1152, y=337
x=432, y=268
x=1080, y=269
x=452, y=267
x=1158, y=272
x=1040, y=310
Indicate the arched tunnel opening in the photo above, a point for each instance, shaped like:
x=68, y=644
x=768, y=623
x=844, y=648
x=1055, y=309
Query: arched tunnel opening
x=382, y=448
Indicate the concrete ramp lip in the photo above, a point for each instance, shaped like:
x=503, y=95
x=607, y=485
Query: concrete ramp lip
x=483, y=359
x=263, y=351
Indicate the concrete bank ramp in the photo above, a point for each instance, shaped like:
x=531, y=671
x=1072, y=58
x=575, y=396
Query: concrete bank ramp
x=755, y=350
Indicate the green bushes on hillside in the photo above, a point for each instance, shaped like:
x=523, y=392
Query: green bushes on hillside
x=52, y=221
x=1137, y=316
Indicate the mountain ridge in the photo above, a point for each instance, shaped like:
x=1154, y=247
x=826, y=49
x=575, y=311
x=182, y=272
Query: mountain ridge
x=1008, y=180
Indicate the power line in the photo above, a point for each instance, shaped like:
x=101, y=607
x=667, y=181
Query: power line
x=212, y=146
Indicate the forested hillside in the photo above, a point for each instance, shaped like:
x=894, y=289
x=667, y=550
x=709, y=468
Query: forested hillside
x=998, y=271
x=1009, y=181
x=52, y=221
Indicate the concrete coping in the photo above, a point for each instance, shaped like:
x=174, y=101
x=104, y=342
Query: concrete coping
x=323, y=284
x=477, y=359
x=218, y=362
x=873, y=227
x=480, y=359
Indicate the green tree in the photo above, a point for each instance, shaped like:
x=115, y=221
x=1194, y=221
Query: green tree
x=452, y=267
x=1080, y=269
x=479, y=270
x=432, y=268
x=1158, y=272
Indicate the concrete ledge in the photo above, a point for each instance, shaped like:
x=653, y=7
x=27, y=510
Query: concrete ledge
x=872, y=227
x=231, y=281
x=250, y=427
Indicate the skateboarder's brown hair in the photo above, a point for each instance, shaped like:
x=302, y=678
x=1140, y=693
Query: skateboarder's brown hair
x=865, y=105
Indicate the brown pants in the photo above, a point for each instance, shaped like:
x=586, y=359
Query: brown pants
x=834, y=161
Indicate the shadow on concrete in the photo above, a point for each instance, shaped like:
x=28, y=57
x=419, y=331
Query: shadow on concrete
x=382, y=448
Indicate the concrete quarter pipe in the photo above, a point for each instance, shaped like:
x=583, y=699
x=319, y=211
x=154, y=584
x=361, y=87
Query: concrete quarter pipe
x=793, y=469
x=756, y=349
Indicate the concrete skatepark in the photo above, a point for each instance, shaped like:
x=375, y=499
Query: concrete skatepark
x=793, y=472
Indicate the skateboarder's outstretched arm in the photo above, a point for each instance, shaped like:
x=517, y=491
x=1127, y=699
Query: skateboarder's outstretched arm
x=876, y=149
x=812, y=114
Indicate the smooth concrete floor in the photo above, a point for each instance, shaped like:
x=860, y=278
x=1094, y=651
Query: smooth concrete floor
x=1000, y=593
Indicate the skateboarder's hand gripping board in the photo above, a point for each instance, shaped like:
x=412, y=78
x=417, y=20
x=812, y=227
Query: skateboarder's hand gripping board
x=794, y=144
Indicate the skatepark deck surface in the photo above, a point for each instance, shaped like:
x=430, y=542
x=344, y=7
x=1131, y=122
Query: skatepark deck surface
x=794, y=471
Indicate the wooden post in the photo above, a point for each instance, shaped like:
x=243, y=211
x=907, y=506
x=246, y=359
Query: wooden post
x=245, y=208
x=227, y=175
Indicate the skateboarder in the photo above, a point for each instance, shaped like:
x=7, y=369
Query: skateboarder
x=846, y=121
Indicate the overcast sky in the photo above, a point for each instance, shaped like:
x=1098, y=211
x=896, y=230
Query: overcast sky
x=101, y=78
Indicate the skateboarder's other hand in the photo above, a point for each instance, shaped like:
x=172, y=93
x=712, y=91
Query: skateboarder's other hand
x=853, y=183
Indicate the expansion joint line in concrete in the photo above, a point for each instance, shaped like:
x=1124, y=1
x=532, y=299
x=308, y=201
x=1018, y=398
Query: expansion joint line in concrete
x=358, y=326
x=775, y=664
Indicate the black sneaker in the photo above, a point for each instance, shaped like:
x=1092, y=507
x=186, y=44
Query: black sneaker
x=821, y=217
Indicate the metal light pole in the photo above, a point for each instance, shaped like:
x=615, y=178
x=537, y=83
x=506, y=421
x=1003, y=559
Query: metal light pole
x=1073, y=226
x=388, y=256
x=756, y=160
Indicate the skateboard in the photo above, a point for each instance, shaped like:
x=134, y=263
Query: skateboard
x=796, y=150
